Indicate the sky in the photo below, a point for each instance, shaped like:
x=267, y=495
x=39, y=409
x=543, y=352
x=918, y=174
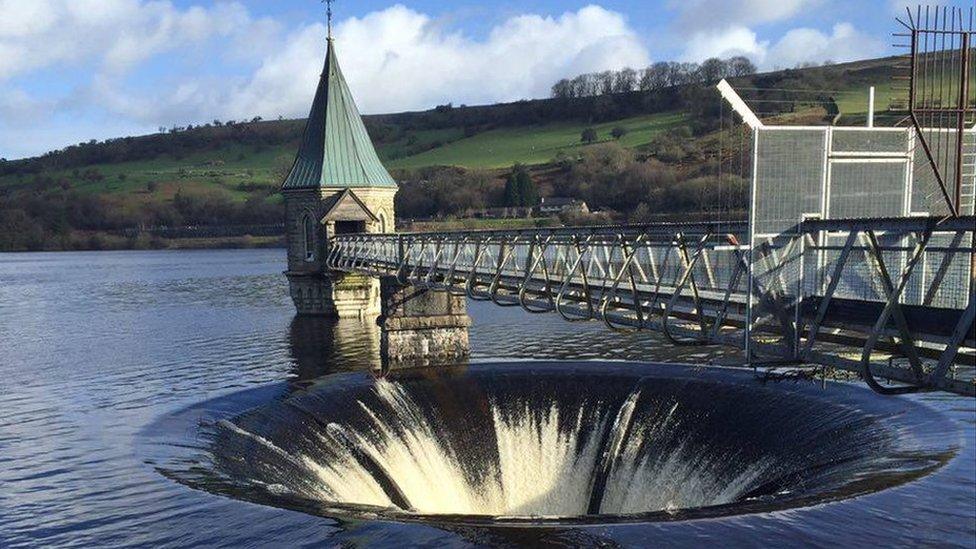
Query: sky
x=76, y=70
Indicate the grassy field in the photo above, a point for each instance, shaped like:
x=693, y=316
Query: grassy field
x=853, y=101
x=535, y=144
x=224, y=170
x=237, y=172
x=416, y=141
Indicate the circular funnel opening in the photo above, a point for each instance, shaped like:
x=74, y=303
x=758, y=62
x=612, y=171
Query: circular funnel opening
x=568, y=442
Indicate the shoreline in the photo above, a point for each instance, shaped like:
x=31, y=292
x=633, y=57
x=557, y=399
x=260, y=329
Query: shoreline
x=104, y=243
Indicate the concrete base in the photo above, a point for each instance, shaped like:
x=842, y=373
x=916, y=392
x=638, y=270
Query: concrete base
x=422, y=327
x=335, y=295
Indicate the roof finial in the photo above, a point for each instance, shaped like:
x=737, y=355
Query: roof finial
x=328, y=12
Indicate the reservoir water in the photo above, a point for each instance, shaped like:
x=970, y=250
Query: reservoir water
x=113, y=364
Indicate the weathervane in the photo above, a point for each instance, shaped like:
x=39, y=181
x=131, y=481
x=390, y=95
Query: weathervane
x=328, y=13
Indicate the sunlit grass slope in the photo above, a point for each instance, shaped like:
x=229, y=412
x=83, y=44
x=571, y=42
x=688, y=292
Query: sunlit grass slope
x=536, y=144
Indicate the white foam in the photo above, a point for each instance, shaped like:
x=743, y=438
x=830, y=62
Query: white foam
x=535, y=469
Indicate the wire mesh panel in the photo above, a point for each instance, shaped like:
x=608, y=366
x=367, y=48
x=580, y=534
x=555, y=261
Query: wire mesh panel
x=943, y=278
x=789, y=177
x=866, y=141
x=927, y=197
x=844, y=173
x=861, y=189
x=835, y=173
x=776, y=267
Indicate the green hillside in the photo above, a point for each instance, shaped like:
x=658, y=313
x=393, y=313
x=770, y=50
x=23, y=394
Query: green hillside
x=227, y=174
x=237, y=172
x=227, y=169
x=503, y=147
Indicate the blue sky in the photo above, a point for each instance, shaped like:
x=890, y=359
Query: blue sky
x=74, y=70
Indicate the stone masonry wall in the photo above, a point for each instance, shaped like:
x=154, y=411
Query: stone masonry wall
x=422, y=327
x=378, y=200
x=313, y=289
x=297, y=205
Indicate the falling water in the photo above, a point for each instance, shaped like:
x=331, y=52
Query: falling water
x=552, y=443
x=539, y=459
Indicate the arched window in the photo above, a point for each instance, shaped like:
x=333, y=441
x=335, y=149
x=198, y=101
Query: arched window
x=382, y=223
x=308, y=231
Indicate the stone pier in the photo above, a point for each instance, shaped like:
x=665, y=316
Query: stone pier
x=422, y=327
x=335, y=295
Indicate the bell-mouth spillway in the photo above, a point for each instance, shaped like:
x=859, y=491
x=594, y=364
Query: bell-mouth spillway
x=531, y=443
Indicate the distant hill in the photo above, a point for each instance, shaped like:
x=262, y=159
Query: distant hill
x=227, y=173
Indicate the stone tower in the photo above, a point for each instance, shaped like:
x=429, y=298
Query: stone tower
x=336, y=185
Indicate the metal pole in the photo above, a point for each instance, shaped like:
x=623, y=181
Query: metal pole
x=961, y=120
x=871, y=107
x=750, y=278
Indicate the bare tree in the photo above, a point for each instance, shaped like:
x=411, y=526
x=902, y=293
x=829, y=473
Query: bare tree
x=712, y=69
x=740, y=66
x=662, y=74
x=625, y=81
x=656, y=77
x=684, y=73
x=606, y=79
x=562, y=89
x=584, y=85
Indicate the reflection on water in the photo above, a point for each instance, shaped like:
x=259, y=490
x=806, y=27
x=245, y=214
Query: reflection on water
x=95, y=348
x=321, y=346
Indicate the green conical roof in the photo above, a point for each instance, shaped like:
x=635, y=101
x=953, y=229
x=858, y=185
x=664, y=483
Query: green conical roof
x=336, y=150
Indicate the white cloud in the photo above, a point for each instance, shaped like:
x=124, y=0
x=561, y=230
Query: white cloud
x=394, y=59
x=699, y=14
x=400, y=59
x=796, y=46
x=720, y=28
x=17, y=106
x=843, y=43
x=735, y=40
x=115, y=34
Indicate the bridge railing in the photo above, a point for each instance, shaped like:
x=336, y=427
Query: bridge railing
x=901, y=289
x=807, y=295
x=630, y=277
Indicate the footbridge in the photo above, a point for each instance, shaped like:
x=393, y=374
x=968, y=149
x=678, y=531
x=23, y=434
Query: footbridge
x=888, y=299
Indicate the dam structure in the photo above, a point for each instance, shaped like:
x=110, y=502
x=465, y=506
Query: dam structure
x=858, y=252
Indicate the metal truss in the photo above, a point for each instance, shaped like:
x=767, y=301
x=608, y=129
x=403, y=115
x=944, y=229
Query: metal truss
x=703, y=284
x=921, y=318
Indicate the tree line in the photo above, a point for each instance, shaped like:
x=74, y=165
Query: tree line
x=623, y=184
x=53, y=217
x=665, y=74
x=177, y=142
